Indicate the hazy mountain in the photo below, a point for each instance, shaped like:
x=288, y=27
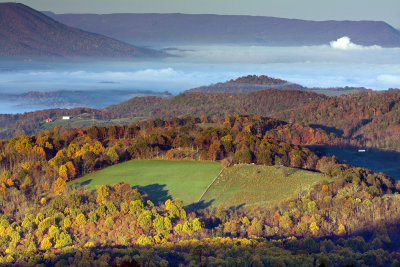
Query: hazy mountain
x=36, y=100
x=247, y=84
x=27, y=32
x=254, y=83
x=182, y=28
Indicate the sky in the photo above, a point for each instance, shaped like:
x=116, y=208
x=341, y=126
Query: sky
x=385, y=10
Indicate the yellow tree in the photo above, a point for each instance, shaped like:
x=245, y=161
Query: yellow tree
x=341, y=230
x=314, y=228
x=102, y=194
x=59, y=185
x=63, y=172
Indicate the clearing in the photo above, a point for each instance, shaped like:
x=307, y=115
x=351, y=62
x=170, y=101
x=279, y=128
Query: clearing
x=247, y=184
x=239, y=185
x=160, y=179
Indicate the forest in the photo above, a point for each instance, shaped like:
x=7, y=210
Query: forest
x=354, y=118
x=350, y=218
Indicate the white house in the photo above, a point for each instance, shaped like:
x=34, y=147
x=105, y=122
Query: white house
x=66, y=117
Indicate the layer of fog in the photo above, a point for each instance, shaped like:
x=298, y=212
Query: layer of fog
x=341, y=63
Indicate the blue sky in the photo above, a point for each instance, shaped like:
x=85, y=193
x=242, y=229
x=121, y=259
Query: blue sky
x=385, y=10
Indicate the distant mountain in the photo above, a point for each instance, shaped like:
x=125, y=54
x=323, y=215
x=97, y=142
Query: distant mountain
x=254, y=83
x=182, y=28
x=27, y=32
x=247, y=84
x=36, y=100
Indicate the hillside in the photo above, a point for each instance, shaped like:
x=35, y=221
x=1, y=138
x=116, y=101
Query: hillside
x=350, y=217
x=32, y=122
x=363, y=118
x=183, y=28
x=254, y=83
x=265, y=103
x=372, y=117
x=252, y=185
x=27, y=32
x=247, y=84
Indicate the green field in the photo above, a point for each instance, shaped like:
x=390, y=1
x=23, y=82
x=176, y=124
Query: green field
x=188, y=180
x=160, y=179
x=258, y=185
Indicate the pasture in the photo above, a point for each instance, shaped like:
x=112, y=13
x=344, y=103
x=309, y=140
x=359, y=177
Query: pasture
x=247, y=185
x=160, y=179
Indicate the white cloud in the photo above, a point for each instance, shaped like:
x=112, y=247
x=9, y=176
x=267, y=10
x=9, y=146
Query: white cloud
x=345, y=43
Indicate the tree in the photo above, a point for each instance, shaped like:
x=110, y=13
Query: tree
x=112, y=155
x=136, y=207
x=111, y=209
x=103, y=192
x=196, y=225
x=71, y=169
x=80, y=219
x=59, y=186
x=314, y=228
x=255, y=227
x=145, y=219
x=243, y=156
x=341, y=230
x=45, y=244
x=63, y=172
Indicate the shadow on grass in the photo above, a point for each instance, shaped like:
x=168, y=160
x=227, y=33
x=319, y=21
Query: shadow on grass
x=199, y=205
x=156, y=192
x=87, y=182
x=237, y=207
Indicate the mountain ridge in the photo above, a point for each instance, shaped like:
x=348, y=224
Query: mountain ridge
x=207, y=28
x=27, y=32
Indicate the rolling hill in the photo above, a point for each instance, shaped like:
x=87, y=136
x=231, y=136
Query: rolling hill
x=359, y=116
x=265, y=102
x=27, y=32
x=254, y=83
x=200, y=29
x=246, y=84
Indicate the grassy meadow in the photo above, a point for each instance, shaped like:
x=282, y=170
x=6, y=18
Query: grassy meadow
x=160, y=179
x=258, y=185
x=188, y=180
